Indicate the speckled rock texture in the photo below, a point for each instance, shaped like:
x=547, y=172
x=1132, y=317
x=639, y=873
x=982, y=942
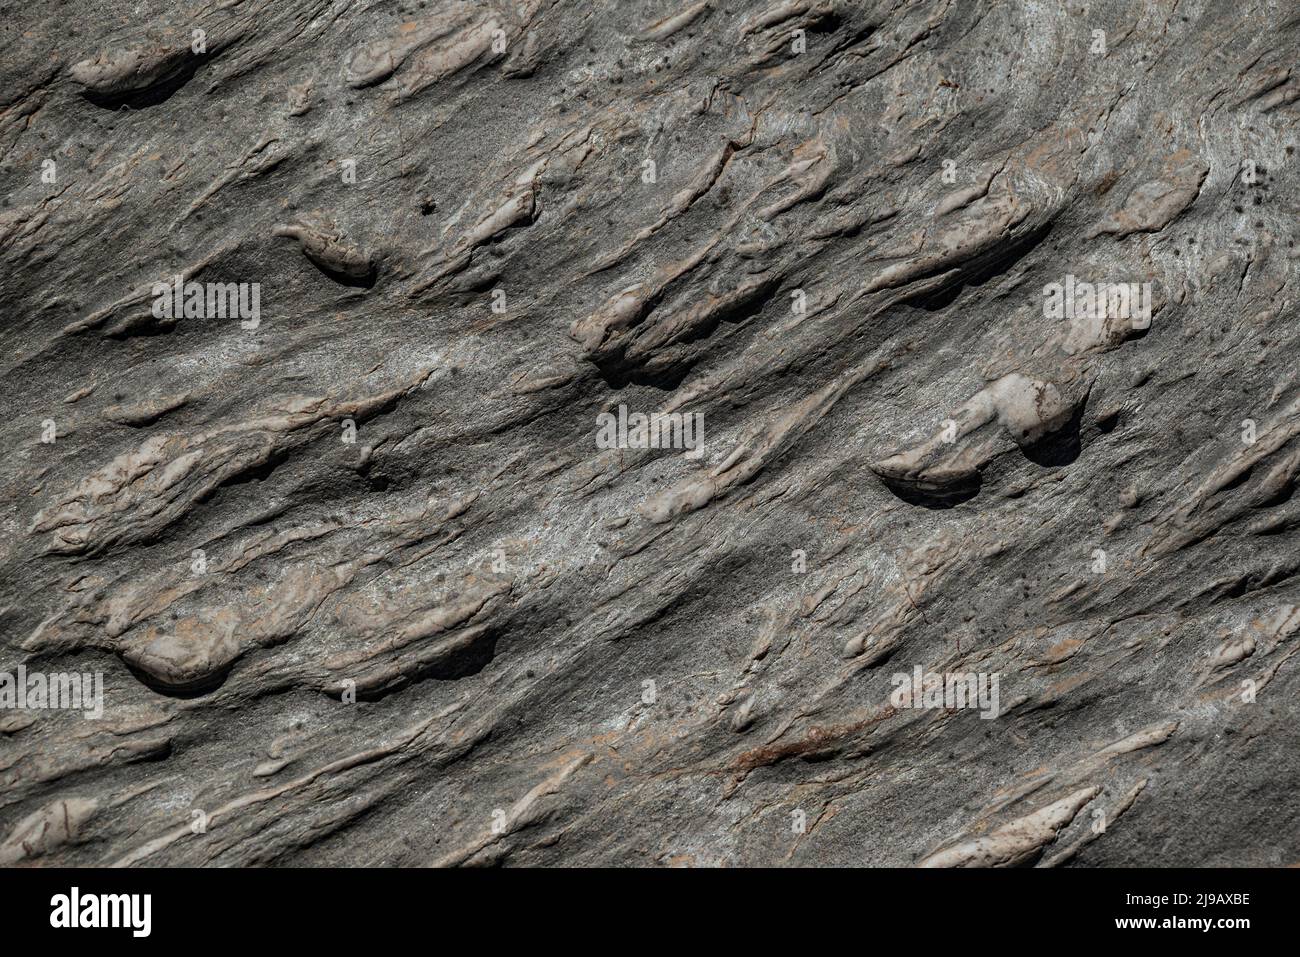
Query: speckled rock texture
x=316, y=314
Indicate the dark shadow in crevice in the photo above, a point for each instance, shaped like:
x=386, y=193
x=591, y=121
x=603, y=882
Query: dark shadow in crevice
x=160, y=91
x=826, y=23
x=1238, y=480
x=979, y=270
x=949, y=496
x=376, y=481
x=207, y=684
x=1107, y=423
x=461, y=663
x=618, y=372
x=253, y=473
x=1280, y=497
x=343, y=279
x=618, y=375
x=1061, y=447
x=145, y=327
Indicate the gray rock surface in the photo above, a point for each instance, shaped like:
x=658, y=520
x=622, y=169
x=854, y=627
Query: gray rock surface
x=364, y=589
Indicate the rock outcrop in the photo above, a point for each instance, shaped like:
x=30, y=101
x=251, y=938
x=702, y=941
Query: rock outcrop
x=984, y=553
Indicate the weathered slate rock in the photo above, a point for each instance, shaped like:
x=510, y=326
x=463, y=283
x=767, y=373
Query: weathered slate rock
x=349, y=352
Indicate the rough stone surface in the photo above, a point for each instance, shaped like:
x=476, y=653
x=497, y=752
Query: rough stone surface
x=387, y=484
